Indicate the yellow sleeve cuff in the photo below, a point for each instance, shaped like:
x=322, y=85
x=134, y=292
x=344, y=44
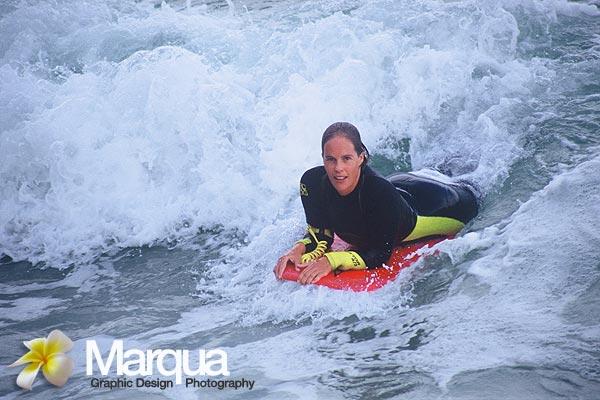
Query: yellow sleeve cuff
x=345, y=260
x=305, y=241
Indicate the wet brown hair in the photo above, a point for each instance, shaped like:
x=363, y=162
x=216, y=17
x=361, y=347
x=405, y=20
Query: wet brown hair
x=348, y=131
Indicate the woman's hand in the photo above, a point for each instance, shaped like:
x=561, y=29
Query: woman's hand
x=314, y=270
x=293, y=256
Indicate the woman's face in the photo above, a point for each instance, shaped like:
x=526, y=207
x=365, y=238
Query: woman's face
x=342, y=164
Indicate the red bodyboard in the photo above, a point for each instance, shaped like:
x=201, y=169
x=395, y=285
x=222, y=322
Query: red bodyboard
x=367, y=280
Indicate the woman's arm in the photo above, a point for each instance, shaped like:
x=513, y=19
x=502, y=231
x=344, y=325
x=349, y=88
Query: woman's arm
x=318, y=238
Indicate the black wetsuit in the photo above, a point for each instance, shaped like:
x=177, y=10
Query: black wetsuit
x=380, y=213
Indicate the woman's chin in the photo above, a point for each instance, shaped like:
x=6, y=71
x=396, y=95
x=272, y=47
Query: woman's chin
x=342, y=188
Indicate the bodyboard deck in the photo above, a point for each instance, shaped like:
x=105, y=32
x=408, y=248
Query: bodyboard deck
x=371, y=279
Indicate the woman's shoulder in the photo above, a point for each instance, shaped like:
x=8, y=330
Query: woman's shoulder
x=377, y=184
x=313, y=175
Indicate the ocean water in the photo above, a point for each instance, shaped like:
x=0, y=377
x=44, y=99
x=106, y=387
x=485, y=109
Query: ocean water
x=149, y=161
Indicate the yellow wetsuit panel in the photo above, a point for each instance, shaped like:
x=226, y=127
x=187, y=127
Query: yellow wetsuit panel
x=345, y=260
x=431, y=226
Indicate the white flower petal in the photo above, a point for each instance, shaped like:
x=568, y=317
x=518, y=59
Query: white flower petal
x=58, y=369
x=57, y=342
x=27, y=376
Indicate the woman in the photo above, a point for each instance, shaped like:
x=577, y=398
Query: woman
x=371, y=213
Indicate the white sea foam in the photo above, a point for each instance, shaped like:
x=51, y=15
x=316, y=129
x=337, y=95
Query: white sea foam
x=26, y=308
x=507, y=308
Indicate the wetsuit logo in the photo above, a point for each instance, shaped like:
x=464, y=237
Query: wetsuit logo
x=303, y=190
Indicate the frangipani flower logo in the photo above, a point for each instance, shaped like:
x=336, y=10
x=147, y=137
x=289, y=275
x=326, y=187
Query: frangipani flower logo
x=48, y=354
